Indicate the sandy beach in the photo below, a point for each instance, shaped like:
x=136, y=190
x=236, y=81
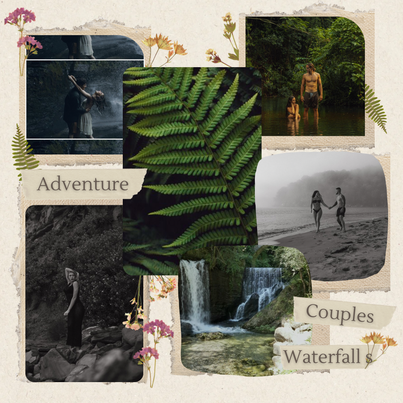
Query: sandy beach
x=333, y=255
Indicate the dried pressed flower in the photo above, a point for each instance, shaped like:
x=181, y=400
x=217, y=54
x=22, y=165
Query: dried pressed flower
x=179, y=49
x=163, y=42
x=227, y=17
x=390, y=342
x=149, y=42
x=230, y=27
x=227, y=34
x=366, y=339
x=377, y=338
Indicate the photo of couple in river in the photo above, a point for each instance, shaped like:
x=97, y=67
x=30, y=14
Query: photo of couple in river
x=333, y=207
x=236, y=308
x=313, y=74
x=71, y=104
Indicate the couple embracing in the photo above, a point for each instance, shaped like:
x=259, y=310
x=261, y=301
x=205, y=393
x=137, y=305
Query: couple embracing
x=316, y=202
x=77, y=112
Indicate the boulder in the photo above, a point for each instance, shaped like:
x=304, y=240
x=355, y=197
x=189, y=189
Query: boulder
x=277, y=362
x=72, y=355
x=103, y=350
x=186, y=328
x=251, y=306
x=112, y=367
x=89, y=332
x=285, y=333
x=305, y=328
x=110, y=335
x=54, y=366
x=277, y=345
x=212, y=336
x=76, y=372
x=133, y=337
x=88, y=360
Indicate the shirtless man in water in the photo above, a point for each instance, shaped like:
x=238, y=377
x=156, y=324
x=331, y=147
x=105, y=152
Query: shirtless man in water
x=341, y=209
x=310, y=82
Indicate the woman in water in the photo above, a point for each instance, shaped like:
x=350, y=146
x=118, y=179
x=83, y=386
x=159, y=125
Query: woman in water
x=75, y=311
x=316, y=202
x=97, y=98
x=292, y=109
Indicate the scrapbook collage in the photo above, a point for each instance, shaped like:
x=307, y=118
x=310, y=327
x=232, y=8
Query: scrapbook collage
x=200, y=211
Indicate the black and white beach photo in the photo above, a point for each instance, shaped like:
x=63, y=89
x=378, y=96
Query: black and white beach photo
x=77, y=295
x=87, y=47
x=332, y=206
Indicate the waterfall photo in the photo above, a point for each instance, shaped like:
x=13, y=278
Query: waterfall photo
x=236, y=308
x=77, y=102
x=197, y=131
x=77, y=295
x=313, y=74
x=87, y=47
x=332, y=206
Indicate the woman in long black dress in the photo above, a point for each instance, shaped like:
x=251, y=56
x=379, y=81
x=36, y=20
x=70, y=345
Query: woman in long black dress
x=75, y=311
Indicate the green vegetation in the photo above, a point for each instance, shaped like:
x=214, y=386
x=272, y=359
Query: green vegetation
x=197, y=133
x=87, y=239
x=280, y=48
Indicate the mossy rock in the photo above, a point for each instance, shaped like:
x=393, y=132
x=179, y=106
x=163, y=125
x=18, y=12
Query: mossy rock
x=269, y=317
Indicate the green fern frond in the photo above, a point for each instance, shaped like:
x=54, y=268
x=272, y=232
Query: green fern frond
x=374, y=108
x=193, y=129
x=22, y=153
x=190, y=188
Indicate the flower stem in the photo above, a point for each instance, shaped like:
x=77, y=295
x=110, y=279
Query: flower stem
x=234, y=40
x=154, y=57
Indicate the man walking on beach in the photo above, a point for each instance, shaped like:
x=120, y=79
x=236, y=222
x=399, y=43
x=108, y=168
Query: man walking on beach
x=341, y=209
x=310, y=82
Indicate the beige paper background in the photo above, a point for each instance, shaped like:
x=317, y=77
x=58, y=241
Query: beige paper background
x=381, y=314
x=198, y=26
x=361, y=355
x=32, y=180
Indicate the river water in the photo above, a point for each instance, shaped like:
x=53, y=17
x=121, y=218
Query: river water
x=333, y=121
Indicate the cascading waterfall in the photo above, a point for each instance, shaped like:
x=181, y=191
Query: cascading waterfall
x=195, y=300
x=266, y=282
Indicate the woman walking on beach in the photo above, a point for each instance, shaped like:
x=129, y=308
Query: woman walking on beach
x=75, y=311
x=316, y=202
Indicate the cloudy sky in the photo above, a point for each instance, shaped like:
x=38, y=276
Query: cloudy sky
x=279, y=170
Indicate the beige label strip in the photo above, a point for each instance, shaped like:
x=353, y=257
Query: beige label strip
x=336, y=313
x=73, y=184
x=327, y=357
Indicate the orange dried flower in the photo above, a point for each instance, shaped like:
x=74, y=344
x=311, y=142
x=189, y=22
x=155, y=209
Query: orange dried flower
x=377, y=338
x=149, y=42
x=163, y=42
x=366, y=339
x=179, y=49
x=390, y=342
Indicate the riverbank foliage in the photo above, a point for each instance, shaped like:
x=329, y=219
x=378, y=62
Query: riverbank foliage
x=280, y=48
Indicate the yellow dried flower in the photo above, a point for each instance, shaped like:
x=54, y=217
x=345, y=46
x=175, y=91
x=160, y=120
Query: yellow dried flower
x=366, y=339
x=149, y=42
x=377, y=338
x=179, y=49
x=227, y=17
x=163, y=42
x=390, y=342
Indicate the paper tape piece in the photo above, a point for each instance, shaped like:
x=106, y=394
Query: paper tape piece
x=73, y=184
x=336, y=313
x=327, y=357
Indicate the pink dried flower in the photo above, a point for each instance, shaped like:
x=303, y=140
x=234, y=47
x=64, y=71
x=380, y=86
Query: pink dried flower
x=18, y=15
x=147, y=353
